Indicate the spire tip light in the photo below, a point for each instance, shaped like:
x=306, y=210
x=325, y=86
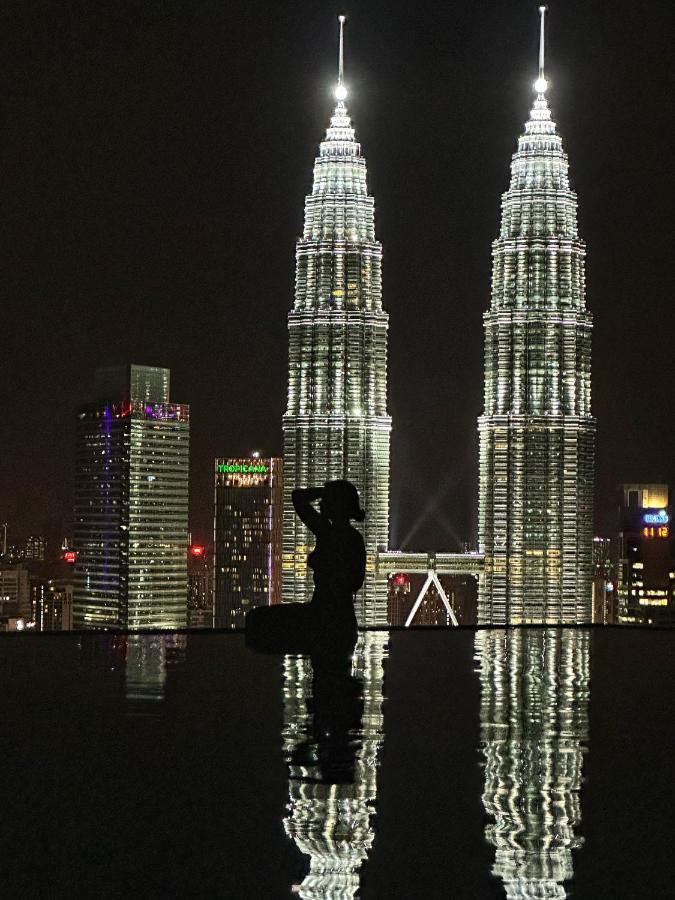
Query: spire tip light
x=541, y=84
x=341, y=90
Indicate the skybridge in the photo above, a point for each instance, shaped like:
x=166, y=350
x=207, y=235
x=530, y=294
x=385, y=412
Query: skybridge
x=390, y=562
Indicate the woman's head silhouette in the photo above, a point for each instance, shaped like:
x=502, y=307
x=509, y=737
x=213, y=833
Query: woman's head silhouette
x=340, y=502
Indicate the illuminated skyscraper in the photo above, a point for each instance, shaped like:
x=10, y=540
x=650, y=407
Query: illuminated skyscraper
x=249, y=494
x=537, y=432
x=534, y=724
x=336, y=424
x=131, y=504
x=200, y=587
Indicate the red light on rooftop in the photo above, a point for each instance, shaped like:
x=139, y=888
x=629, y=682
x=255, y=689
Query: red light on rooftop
x=69, y=556
x=197, y=550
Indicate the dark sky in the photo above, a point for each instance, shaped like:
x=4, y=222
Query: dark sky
x=155, y=159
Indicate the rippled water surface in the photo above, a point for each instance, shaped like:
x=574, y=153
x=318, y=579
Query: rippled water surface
x=525, y=763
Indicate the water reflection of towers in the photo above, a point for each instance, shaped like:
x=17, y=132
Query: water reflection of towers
x=148, y=659
x=534, y=722
x=332, y=788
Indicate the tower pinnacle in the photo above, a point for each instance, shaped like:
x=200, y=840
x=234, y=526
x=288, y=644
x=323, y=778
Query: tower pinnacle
x=341, y=90
x=541, y=84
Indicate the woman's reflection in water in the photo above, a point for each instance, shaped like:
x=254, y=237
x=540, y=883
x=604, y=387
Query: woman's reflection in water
x=332, y=761
x=332, y=697
x=534, y=726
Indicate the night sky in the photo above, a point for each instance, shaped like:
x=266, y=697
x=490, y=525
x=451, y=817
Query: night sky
x=155, y=159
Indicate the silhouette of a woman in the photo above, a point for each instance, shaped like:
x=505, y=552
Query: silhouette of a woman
x=339, y=564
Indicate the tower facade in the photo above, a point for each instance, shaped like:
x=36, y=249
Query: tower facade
x=131, y=504
x=247, y=537
x=336, y=424
x=536, y=432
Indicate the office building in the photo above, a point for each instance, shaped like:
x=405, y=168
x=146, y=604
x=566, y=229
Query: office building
x=51, y=604
x=604, y=581
x=200, y=587
x=399, y=600
x=36, y=547
x=646, y=555
x=336, y=424
x=131, y=503
x=15, y=591
x=537, y=432
x=248, y=536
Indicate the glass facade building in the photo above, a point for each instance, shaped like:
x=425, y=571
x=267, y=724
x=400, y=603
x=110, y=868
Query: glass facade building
x=131, y=504
x=248, y=531
x=336, y=424
x=537, y=433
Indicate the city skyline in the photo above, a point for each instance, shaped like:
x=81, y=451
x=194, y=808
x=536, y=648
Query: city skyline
x=434, y=477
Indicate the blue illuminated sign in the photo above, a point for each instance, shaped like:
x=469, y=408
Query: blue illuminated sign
x=658, y=517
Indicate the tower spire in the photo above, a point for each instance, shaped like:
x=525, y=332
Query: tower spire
x=541, y=84
x=341, y=90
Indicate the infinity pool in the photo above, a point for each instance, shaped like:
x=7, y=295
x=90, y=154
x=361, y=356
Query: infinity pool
x=444, y=763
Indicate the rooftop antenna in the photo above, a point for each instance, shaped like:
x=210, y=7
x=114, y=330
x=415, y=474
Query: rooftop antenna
x=341, y=90
x=541, y=84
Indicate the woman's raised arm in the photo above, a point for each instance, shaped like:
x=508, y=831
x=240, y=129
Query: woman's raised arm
x=302, y=503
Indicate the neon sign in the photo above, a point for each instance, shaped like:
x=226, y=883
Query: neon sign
x=660, y=517
x=255, y=469
x=656, y=531
x=69, y=556
x=197, y=550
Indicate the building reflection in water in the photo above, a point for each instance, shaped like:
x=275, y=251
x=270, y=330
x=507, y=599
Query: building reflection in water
x=331, y=738
x=148, y=659
x=534, y=725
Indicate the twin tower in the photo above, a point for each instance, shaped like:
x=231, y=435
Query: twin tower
x=536, y=431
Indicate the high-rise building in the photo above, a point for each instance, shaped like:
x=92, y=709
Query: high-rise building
x=604, y=582
x=399, y=599
x=36, y=546
x=646, y=555
x=248, y=535
x=51, y=604
x=336, y=424
x=15, y=590
x=537, y=432
x=200, y=587
x=131, y=503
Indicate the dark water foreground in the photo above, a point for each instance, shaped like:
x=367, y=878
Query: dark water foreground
x=533, y=763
